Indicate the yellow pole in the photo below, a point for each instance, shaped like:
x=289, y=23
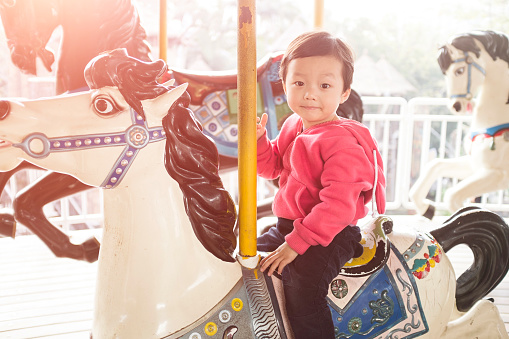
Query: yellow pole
x=246, y=89
x=319, y=7
x=163, y=35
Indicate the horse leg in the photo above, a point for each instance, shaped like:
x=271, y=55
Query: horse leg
x=481, y=321
x=454, y=168
x=480, y=182
x=7, y=221
x=28, y=210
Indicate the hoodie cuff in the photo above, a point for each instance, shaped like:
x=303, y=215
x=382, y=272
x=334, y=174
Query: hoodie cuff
x=296, y=242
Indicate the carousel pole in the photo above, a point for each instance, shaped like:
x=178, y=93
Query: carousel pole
x=246, y=107
x=163, y=33
x=319, y=8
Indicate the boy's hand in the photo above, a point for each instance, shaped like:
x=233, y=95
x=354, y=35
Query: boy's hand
x=260, y=125
x=278, y=259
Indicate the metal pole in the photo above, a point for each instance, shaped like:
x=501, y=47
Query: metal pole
x=163, y=35
x=246, y=86
x=319, y=7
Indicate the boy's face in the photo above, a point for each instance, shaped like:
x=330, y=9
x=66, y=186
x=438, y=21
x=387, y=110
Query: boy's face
x=314, y=88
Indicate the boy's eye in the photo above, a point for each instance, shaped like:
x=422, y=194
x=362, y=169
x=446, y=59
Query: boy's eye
x=325, y=85
x=299, y=83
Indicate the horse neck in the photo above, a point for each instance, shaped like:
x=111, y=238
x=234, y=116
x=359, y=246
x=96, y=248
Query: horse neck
x=149, y=207
x=150, y=253
x=150, y=203
x=491, y=108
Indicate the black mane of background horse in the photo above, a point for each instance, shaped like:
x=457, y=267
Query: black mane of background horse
x=86, y=32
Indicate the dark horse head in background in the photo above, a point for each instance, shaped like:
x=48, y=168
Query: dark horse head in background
x=89, y=27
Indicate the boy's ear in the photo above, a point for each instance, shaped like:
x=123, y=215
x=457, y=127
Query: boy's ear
x=345, y=95
x=284, y=86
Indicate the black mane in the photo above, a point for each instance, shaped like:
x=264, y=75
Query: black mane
x=496, y=44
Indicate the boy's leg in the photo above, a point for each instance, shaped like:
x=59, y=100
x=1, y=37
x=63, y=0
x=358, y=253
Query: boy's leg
x=306, y=282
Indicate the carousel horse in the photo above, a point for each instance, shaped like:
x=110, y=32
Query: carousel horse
x=86, y=32
x=167, y=265
x=29, y=24
x=474, y=63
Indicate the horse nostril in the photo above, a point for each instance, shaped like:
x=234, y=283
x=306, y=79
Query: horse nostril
x=457, y=106
x=5, y=107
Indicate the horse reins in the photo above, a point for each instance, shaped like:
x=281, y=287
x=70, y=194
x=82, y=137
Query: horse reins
x=134, y=138
x=470, y=62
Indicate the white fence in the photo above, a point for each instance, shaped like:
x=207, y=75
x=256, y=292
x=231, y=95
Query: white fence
x=409, y=134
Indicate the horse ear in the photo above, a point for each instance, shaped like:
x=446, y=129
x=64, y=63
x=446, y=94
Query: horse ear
x=157, y=108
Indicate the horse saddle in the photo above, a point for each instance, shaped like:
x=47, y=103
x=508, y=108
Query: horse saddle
x=376, y=248
x=202, y=84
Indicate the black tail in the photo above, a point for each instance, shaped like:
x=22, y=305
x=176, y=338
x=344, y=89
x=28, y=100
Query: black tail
x=487, y=235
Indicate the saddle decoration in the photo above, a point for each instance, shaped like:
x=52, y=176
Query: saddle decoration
x=376, y=245
x=385, y=304
x=376, y=248
x=491, y=132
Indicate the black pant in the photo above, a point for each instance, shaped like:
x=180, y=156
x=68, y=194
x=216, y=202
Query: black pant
x=306, y=280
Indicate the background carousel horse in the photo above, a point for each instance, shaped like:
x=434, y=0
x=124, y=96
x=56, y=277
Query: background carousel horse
x=157, y=278
x=475, y=62
x=29, y=25
x=86, y=32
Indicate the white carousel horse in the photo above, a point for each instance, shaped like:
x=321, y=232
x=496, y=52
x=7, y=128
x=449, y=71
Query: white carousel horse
x=159, y=279
x=473, y=63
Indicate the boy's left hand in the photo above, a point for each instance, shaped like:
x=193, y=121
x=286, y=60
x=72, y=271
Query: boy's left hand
x=278, y=259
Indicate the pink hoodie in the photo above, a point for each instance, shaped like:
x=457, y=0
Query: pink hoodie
x=326, y=175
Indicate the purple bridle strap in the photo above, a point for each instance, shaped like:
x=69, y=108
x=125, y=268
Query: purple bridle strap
x=134, y=138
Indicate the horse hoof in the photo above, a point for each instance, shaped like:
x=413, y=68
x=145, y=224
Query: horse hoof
x=91, y=249
x=430, y=212
x=7, y=225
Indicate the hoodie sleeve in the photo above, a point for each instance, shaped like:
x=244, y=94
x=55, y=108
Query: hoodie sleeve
x=269, y=161
x=270, y=153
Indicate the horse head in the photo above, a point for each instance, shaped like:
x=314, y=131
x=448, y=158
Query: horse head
x=28, y=26
x=465, y=62
x=106, y=120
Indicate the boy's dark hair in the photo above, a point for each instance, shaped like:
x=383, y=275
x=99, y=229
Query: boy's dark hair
x=319, y=43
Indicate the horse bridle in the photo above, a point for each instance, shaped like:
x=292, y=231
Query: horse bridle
x=470, y=62
x=134, y=138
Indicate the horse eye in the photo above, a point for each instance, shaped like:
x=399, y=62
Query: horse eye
x=104, y=107
x=459, y=71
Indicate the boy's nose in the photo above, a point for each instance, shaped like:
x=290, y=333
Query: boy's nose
x=310, y=95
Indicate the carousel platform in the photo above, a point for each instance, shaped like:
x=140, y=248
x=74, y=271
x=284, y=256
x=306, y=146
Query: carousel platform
x=42, y=296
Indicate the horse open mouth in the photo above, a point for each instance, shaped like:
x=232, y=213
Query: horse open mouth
x=469, y=107
x=4, y=143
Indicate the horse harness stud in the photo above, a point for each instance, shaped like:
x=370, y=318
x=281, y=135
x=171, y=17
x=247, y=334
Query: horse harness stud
x=136, y=137
x=470, y=62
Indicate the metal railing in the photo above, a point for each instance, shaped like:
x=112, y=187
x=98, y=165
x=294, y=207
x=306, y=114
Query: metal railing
x=409, y=135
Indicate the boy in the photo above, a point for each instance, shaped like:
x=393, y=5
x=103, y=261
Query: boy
x=326, y=171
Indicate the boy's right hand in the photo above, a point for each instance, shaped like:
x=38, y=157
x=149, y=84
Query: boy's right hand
x=260, y=125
